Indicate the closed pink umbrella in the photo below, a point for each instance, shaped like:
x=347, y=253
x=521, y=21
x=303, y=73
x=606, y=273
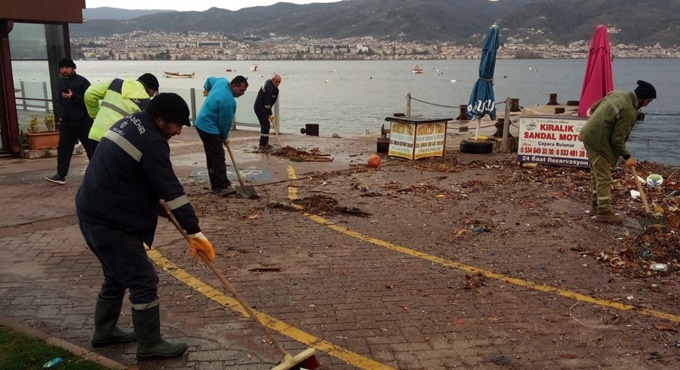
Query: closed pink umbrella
x=598, y=80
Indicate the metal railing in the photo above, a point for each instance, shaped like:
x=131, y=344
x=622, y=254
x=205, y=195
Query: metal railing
x=34, y=97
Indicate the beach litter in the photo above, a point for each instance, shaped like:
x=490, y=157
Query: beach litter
x=298, y=155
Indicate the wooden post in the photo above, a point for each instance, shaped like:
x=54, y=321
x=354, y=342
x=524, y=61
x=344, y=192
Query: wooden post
x=408, y=105
x=462, y=112
x=506, y=126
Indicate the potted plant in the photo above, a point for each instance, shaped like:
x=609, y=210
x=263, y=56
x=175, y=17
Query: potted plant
x=38, y=139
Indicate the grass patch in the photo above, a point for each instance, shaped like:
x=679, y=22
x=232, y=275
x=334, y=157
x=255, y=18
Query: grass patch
x=18, y=351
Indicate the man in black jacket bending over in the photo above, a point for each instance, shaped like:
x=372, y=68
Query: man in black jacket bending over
x=266, y=98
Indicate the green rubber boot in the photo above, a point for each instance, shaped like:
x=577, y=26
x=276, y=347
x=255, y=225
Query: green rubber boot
x=106, y=332
x=150, y=345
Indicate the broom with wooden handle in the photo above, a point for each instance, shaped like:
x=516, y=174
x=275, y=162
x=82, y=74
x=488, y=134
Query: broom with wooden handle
x=304, y=360
x=651, y=218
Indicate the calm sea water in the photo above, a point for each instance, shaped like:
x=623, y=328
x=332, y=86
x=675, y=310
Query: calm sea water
x=351, y=98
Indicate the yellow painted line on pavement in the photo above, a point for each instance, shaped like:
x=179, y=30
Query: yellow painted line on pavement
x=269, y=321
x=492, y=275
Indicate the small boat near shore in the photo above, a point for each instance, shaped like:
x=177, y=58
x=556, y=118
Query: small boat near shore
x=254, y=67
x=167, y=74
x=417, y=70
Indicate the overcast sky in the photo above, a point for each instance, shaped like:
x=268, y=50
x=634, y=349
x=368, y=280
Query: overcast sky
x=198, y=5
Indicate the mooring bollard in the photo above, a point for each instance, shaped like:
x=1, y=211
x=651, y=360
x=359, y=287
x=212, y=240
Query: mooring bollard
x=553, y=100
x=514, y=105
x=311, y=129
x=383, y=145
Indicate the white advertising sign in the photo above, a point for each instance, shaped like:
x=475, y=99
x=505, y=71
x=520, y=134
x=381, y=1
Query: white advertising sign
x=551, y=140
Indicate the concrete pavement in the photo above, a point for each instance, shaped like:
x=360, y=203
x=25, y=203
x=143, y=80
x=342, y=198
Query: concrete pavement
x=378, y=292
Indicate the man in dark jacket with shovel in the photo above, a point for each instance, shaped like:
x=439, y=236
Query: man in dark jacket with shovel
x=265, y=100
x=604, y=136
x=118, y=205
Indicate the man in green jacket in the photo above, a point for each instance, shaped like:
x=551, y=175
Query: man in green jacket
x=604, y=137
x=109, y=101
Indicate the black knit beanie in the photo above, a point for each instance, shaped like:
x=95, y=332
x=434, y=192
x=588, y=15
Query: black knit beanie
x=645, y=90
x=67, y=62
x=149, y=80
x=170, y=107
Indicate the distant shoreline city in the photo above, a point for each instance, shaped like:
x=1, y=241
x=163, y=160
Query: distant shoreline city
x=141, y=45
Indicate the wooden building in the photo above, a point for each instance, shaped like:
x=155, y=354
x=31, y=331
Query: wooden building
x=34, y=35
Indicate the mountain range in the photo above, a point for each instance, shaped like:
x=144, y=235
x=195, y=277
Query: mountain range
x=639, y=22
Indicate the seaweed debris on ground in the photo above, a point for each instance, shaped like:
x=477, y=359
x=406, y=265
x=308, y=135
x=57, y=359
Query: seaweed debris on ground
x=321, y=205
x=297, y=155
x=653, y=250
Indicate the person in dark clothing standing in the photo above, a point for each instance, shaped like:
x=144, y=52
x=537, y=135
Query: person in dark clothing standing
x=128, y=184
x=75, y=121
x=266, y=98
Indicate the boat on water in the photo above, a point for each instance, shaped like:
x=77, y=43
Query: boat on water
x=417, y=70
x=167, y=74
x=254, y=68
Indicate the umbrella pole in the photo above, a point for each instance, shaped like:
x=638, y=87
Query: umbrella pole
x=477, y=131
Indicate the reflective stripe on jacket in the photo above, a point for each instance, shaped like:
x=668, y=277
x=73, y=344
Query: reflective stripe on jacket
x=127, y=176
x=119, y=98
x=266, y=98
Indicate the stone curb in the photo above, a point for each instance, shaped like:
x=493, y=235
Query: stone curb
x=76, y=350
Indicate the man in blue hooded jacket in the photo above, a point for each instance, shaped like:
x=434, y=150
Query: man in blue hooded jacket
x=213, y=123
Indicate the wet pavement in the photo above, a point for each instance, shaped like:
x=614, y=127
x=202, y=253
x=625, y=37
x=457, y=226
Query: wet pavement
x=377, y=292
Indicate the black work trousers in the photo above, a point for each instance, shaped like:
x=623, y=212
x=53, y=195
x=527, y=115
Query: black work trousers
x=69, y=134
x=125, y=264
x=265, y=126
x=215, y=160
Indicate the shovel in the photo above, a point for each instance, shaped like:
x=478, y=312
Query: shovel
x=652, y=218
x=243, y=190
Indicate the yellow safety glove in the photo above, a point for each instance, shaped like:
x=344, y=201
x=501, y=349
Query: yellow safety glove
x=631, y=162
x=200, y=243
x=271, y=118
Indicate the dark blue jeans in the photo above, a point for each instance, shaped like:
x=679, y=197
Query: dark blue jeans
x=124, y=263
x=69, y=133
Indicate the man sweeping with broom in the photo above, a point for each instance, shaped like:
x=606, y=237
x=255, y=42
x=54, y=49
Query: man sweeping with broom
x=118, y=207
x=604, y=136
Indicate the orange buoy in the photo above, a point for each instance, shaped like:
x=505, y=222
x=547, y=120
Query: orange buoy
x=374, y=161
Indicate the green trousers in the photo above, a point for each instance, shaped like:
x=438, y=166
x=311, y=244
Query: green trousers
x=600, y=182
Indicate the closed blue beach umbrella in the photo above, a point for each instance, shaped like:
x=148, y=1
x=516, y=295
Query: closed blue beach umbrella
x=482, y=99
